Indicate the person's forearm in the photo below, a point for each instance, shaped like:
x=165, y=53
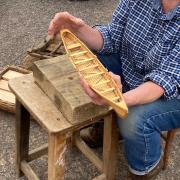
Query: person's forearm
x=145, y=93
x=91, y=37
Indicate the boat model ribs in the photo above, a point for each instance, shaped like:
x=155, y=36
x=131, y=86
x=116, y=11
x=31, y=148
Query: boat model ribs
x=94, y=73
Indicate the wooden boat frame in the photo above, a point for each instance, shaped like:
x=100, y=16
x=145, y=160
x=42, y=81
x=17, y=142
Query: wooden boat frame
x=94, y=73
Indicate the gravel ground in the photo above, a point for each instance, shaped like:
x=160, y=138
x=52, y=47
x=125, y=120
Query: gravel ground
x=22, y=24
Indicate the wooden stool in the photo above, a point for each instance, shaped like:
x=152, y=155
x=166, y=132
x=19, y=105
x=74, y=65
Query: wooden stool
x=30, y=100
x=168, y=143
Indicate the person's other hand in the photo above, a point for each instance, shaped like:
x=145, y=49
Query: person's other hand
x=96, y=99
x=64, y=20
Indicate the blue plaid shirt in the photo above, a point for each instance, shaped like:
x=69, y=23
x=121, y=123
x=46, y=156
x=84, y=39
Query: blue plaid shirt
x=148, y=42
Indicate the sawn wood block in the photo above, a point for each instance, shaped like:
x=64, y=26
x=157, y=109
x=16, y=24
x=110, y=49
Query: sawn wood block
x=60, y=81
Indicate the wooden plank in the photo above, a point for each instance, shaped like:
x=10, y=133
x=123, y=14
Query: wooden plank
x=38, y=104
x=4, y=85
x=88, y=152
x=6, y=96
x=110, y=143
x=38, y=152
x=7, y=99
x=56, y=156
x=27, y=170
x=10, y=74
x=60, y=81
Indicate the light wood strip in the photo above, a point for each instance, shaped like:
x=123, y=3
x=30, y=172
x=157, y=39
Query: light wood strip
x=90, y=67
x=72, y=46
x=108, y=90
x=101, y=83
x=11, y=74
x=93, y=75
x=83, y=61
x=78, y=53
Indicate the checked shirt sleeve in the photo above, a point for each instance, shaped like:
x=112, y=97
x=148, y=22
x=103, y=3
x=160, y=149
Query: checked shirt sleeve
x=168, y=73
x=113, y=32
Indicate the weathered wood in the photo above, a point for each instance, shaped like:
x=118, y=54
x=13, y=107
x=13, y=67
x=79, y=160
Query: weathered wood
x=39, y=106
x=42, y=108
x=169, y=141
x=38, y=152
x=27, y=170
x=100, y=177
x=4, y=85
x=56, y=156
x=15, y=69
x=88, y=152
x=11, y=74
x=110, y=143
x=22, y=135
x=41, y=56
x=60, y=81
x=7, y=98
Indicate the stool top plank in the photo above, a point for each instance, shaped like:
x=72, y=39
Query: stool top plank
x=43, y=109
x=38, y=104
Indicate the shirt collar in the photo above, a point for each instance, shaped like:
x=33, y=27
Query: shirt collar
x=168, y=16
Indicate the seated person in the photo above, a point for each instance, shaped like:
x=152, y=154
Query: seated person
x=141, y=46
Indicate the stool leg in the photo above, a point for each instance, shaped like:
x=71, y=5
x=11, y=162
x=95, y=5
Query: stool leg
x=169, y=140
x=56, y=156
x=22, y=135
x=110, y=144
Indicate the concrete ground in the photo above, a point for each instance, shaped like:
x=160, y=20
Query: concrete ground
x=22, y=24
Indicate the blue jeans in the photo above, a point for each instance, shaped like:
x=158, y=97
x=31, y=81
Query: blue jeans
x=141, y=129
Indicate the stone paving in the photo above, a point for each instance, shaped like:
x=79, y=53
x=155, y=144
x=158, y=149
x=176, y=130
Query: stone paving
x=22, y=24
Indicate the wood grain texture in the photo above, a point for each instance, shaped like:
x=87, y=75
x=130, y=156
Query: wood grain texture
x=11, y=74
x=56, y=156
x=4, y=85
x=60, y=81
x=38, y=104
x=7, y=98
x=110, y=146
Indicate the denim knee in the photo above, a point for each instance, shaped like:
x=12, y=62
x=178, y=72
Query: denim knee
x=133, y=125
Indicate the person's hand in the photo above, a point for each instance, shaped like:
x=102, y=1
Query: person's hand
x=64, y=20
x=93, y=95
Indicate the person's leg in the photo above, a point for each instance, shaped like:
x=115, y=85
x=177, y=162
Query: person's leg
x=93, y=135
x=141, y=132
